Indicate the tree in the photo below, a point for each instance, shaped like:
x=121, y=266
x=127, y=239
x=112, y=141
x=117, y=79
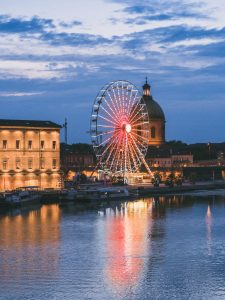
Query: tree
x=156, y=179
x=179, y=180
x=170, y=180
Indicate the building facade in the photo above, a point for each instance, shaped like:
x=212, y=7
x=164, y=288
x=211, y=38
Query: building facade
x=178, y=160
x=156, y=118
x=29, y=154
x=77, y=161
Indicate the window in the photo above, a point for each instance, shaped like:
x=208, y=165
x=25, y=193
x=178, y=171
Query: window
x=54, y=145
x=153, y=132
x=42, y=145
x=4, y=144
x=30, y=163
x=42, y=163
x=4, y=163
x=29, y=145
x=54, y=163
x=17, y=144
x=18, y=163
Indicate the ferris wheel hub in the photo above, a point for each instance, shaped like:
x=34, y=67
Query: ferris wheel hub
x=128, y=128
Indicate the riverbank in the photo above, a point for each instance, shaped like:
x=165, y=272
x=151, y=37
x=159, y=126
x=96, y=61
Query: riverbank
x=56, y=196
x=145, y=190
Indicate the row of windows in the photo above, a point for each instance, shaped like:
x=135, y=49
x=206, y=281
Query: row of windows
x=29, y=145
x=30, y=163
x=168, y=162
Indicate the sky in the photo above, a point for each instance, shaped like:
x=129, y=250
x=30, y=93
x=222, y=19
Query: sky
x=56, y=55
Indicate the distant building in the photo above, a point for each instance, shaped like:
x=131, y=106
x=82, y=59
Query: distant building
x=78, y=161
x=179, y=160
x=76, y=157
x=29, y=154
x=156, y=118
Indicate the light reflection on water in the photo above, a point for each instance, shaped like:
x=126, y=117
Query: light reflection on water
x=209, y=229
x=157, y=248
x=128, y=245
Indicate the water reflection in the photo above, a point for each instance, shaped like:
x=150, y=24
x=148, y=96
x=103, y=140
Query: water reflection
x=147, y=249
x=127, y=230
x=130, y=234
x=208, y=219
x=29, y=244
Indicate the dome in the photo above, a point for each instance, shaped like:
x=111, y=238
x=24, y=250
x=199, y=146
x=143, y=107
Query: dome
x=154, y=109
x=156, y=117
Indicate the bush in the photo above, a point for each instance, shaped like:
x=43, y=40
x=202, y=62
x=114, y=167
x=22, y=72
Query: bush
x=156, y=179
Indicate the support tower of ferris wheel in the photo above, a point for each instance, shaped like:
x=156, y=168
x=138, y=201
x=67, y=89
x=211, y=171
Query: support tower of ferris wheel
x=119, y=128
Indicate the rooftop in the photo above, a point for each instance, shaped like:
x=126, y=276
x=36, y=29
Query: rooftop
x=28, y=123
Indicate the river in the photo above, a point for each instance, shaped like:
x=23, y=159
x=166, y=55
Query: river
x=169, y=247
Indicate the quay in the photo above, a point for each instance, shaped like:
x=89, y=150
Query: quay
x=146, y=190
x=50, y=196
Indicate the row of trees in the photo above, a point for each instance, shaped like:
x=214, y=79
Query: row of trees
x=171, y=179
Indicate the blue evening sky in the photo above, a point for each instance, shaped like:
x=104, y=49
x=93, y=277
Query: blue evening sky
x=56, y=55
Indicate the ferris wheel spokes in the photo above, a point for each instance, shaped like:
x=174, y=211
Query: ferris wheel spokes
x=132, y=156
x=106, y=119
x=118, y=127
x=117, y=101
x=107, y=147
x=102, y=133
x=111, y=116
x=110, y=101
x=135, y=154
x=114, y=108
x=134, y=100
x=137, y=110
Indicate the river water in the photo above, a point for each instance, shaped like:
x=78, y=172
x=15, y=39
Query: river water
x=155, y=248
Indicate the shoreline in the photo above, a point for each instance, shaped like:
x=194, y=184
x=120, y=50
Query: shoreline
x=137, y=191
x=163, y=190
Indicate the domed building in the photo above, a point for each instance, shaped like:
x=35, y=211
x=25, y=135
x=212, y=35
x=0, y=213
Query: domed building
x=156, y=118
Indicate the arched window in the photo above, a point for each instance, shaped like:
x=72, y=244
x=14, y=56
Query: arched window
x=153, y=132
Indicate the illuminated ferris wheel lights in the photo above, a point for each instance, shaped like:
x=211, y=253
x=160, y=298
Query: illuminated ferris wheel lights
x=128, y=128
x=119, y=128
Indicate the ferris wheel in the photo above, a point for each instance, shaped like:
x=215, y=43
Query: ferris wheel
x=119, y=128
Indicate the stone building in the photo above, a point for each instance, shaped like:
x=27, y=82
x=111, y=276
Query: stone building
x=156, y=118
x=29, y=154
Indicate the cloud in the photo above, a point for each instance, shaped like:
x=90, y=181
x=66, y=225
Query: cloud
x=16, y=25
x=145, y=19
x=73, y=39
x=44, y=70
x=70, y=24
x=161, y=12
x=179, y=33
x=139, y=9
x=20, y=94
x=163, y=39
x=46, y=31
